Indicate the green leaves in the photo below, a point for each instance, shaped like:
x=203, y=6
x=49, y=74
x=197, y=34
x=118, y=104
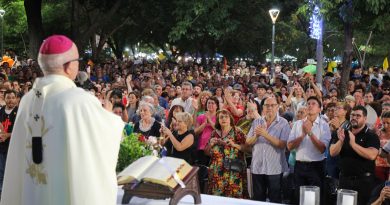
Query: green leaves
x=130, y=150
x=376, y=6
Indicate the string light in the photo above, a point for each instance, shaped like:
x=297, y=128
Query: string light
x=315, y=21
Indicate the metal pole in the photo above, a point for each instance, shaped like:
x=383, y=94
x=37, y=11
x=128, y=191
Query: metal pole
x=2, y=31
x=320, y=58
x=273, y=51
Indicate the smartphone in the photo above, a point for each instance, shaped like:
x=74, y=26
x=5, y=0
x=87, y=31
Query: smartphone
x=387, y=183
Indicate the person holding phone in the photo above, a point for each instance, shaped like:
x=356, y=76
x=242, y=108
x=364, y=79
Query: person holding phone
x=180, y=140
x=381, y=194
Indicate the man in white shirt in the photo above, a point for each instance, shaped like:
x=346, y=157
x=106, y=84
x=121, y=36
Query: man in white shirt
x=310, y=137
x=185, y=99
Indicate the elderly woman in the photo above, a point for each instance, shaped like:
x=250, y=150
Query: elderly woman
x=147, y=126
x=179, y=141
x=227, y=171
x=301, y=112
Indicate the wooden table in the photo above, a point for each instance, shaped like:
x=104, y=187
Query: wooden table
x=156, y=191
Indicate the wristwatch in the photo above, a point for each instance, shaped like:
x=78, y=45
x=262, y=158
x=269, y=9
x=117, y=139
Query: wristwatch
x=310, y=134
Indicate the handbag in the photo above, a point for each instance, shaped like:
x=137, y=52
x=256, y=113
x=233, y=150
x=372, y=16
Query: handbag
x=236, y=165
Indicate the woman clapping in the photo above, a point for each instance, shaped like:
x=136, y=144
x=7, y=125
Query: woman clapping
x=227, y=171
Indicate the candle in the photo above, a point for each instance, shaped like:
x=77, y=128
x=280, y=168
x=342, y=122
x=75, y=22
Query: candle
x=309, y=198
x=348, y=200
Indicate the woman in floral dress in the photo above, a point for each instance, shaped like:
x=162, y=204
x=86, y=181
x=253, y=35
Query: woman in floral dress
x=226, y=142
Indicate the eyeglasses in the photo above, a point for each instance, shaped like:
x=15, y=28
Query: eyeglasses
x=223, y=116
x=356, y=116
x=78, y=59
x=270, y=105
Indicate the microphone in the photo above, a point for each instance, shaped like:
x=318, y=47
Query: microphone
x=81, y=77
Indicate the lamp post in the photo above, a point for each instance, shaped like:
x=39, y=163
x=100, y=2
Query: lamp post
x=2, y=12
x=274, y=13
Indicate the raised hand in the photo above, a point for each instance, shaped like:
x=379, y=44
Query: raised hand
x=260, y=130
x=129, y=79
x=307, y=126
x=335, y=123
x=351, y=138
x=341, y=134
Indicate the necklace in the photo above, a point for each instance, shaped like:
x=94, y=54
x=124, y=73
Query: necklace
x=145, y=128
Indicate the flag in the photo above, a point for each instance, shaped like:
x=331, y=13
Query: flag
x=385, y=64
x=331, y=65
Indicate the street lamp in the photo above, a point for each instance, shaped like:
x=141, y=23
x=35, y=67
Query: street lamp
x=2, y=12
x=274, y=13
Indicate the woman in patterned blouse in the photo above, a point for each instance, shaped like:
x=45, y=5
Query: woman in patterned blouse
x=225, y=148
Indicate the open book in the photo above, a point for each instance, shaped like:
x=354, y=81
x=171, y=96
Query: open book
x=155, y=170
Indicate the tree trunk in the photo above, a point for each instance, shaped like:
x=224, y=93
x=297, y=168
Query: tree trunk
x=35, y=28
x=114, y=44
x=347, y=58
x=93, y=26
x=93, y=48
x=99, y=48
x=74, y=21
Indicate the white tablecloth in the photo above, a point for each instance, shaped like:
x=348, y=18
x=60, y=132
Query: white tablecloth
x=206, y=200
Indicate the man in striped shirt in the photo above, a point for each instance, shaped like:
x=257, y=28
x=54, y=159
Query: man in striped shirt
x=310, y=137
x=268, y=136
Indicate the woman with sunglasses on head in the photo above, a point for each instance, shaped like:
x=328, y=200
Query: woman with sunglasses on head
x=227, y=171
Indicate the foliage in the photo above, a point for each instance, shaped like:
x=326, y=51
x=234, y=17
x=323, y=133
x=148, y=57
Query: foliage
x=130, y=150
x=15, y=26
x=235, y=28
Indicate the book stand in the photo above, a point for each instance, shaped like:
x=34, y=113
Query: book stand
x=155, y=191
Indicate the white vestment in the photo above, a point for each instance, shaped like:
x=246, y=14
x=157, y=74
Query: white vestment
x=80, y=148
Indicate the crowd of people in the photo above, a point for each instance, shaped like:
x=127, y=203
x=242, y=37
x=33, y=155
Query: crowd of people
x=288, y=130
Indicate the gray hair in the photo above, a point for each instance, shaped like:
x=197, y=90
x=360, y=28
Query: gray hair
x=186, y=83
x=300, y=106
x=146, y=104
x=147, y=99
